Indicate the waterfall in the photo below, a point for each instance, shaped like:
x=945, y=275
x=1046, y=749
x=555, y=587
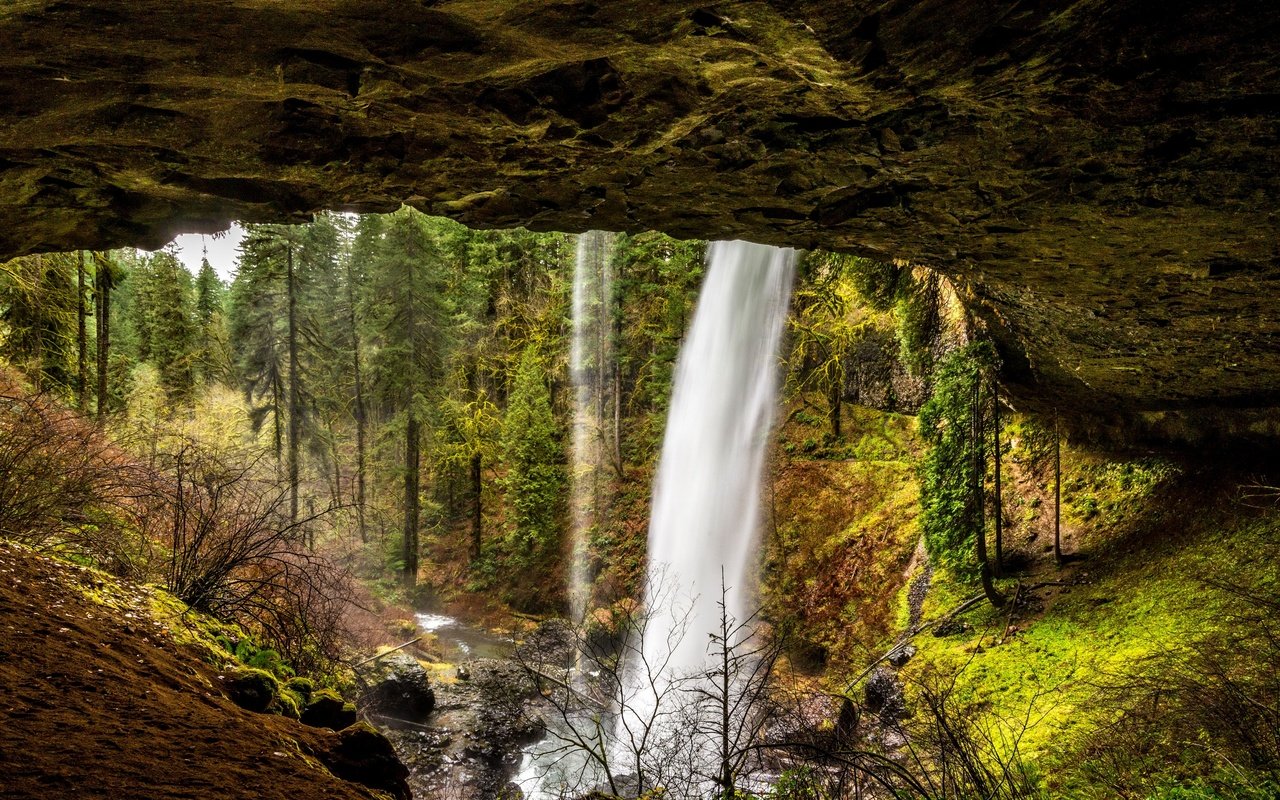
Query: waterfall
x=706, y=500
x=706, y=511
x=589, y=359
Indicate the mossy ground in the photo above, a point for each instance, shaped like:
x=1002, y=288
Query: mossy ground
x=841, y=531
x=1148, y=540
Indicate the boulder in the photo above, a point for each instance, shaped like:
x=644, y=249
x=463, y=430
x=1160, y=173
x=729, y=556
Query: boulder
x=553, y=642
x=884, y=696
x=902, y=655
x=327, y=710
x=362, y=755
x=398, y=688
x=251, y=689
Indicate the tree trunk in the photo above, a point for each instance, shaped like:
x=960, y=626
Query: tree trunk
x=412, y=457
x=277, y=402
x=616, y=310
x=102, y=318
x=295, y=402
x=82, y=340
x=834, y=395
x=359, y=411
x=1057, y=492
x=997, y=568
x=979, y=501
x=477, y=510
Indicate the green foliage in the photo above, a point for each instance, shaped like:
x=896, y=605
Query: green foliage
x=163, y=318
x=880, y=284
x=946, y=494
x=655, y=291
x=1106, y=491
x=535, y=479
x=826, y=322
x=38, y=318
x=798, y=784
x=1229, y=787
x=919, y=315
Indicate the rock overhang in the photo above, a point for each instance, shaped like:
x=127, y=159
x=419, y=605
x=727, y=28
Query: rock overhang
x=1098, y=179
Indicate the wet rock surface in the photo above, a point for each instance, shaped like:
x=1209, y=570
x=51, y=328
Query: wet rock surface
x=1097, y=179
x=397, y=688
x=470, y=745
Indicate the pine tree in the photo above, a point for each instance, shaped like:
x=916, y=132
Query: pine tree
x=410, y=316
x=535, y=479
x=214, y=357
x=164, y=317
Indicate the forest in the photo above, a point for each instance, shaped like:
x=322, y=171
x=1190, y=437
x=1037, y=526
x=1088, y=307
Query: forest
x=381, y=418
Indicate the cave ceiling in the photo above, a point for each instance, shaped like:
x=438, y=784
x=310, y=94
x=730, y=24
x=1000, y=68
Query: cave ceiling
x=1099, y=179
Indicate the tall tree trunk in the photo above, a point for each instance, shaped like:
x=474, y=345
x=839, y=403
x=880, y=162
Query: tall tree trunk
x=1057, y=492
x=360, y=412
x=616, y=310
x=477, y=510
x=295, y=401
x=997, y=568
x=834, y=396
x=412, y=458
x=102, y=318
x=82, y=340
x=277, y=406
x=37, y=342
x=979, y=500
x=412, y=450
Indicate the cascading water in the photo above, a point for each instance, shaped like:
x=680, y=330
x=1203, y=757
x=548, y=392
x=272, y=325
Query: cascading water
x=546, y=769
x=706, y=511
x=589, y=359
x=706, y=500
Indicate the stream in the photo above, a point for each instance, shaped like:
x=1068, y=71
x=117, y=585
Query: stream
x=461, y=642
x=542, y=768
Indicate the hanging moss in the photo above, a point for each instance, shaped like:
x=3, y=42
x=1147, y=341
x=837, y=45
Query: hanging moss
x=880, y=283
x=946, y=485
x=919, y=314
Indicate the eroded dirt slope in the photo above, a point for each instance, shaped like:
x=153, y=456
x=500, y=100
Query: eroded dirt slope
x=99, y=701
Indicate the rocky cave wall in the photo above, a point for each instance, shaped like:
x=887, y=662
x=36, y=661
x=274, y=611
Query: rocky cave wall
x=1099, y=178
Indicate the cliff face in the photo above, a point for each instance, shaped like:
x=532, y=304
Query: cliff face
x=1099, y=178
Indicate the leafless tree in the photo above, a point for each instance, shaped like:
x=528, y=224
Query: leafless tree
x=234, y=551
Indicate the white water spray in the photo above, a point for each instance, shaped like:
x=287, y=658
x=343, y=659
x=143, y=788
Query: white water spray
x=589, y=359
x=706, y=503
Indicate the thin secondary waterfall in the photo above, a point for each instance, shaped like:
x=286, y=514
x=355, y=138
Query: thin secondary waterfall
x=589, y=359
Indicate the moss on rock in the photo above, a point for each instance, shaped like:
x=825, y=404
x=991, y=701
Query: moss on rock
x=252, y=689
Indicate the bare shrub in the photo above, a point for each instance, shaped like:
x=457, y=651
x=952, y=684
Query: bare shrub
x=233, y=551
x=64, y=484
x=1200, y=708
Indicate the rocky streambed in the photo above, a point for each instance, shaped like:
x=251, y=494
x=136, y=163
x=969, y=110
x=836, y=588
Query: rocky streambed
x=461, y=727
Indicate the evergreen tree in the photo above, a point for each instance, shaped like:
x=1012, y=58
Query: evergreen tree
x=535, y=479
x=410, y=316
x=165, y=319
x=214, y=354
x=38, y=310
x=258, y=333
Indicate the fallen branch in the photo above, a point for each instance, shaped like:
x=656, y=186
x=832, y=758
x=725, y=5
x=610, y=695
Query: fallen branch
x=1013, y=604
x=386, y=653
x=912, y=633
x=562, y=684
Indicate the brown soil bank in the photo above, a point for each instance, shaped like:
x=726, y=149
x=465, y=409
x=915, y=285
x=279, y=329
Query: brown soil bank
x=99, y=701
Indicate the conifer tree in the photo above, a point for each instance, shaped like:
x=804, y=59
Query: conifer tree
x=410, y=315
x=535, y=479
